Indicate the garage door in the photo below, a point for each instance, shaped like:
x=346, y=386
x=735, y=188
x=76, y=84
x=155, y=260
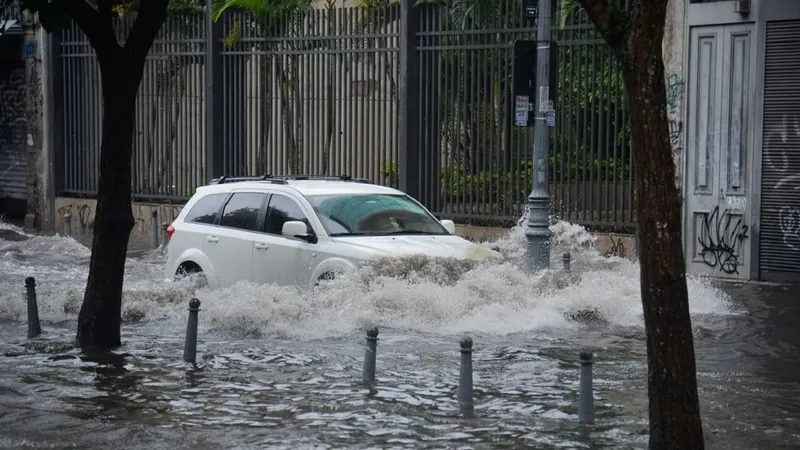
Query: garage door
x=780, y=185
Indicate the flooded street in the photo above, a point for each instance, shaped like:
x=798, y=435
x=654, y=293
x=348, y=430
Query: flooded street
x=282, y=369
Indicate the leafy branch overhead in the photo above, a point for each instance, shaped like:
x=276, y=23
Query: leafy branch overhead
x=612, y=20
x=96, y=20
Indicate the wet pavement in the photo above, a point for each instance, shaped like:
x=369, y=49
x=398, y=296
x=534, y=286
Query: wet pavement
x=281, y=369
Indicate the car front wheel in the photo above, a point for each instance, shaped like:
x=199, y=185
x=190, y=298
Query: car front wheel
x=194, y=272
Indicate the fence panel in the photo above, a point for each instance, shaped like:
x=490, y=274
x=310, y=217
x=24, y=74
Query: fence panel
x=312, y=92
x=483, y=161
x=169, y=144
x=316, y=92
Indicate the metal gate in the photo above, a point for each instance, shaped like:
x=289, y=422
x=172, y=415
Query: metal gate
x=719, y=150
x=13, y=124
x=779, y=254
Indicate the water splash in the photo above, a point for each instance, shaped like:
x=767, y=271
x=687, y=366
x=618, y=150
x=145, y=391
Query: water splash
x=440, y=296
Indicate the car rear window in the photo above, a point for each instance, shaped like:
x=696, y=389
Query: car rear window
x=206, y=209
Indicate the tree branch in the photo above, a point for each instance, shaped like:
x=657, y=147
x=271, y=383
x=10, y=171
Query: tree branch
x=612, y=21
x=150, y=18
x=97, y=27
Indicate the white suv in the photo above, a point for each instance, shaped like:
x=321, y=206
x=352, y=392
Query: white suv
x=299, y=230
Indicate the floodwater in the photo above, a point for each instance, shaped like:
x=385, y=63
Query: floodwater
x=279, y=369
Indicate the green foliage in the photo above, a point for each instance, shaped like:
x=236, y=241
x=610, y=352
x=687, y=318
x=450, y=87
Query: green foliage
x=496, y=184
x=263, y=10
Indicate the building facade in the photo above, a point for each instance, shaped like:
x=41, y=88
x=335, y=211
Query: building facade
x=740, y=135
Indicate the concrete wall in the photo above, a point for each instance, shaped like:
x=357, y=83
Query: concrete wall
x=674, y=55
x=82, y=220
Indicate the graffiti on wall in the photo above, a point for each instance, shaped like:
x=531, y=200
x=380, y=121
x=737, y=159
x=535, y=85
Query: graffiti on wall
x=13, y=124
x=722, y=236
x=674, y=98
x=82, y=214
x=776, y=158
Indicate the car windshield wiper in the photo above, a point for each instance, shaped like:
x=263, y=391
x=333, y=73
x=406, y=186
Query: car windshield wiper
x=408, y=232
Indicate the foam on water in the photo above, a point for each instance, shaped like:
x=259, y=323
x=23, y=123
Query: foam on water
x=416, y=294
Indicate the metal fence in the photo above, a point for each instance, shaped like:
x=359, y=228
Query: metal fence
x=418, y=98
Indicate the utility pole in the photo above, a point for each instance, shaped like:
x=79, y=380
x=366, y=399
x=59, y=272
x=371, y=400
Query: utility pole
x=538, y=230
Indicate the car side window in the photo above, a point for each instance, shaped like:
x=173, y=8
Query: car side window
x=206, y=209
x=283, y=209
x=241, y=211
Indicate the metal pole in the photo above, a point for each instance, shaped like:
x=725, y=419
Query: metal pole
x=154, y=228
x=586, y=395
x=370, y=355
x=34, y=327
x=68, y=225
x=190, y=345
x=538, y=229
x=465, y=402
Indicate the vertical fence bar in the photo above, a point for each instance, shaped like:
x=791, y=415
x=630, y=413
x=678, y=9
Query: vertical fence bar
x=214, y=97
x=408, y=93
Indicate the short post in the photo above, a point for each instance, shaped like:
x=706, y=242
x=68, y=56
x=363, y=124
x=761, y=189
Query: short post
x=154, y=228
x=68, y=224
x=34, y=327
x=465, y=404
x=190, y=346
x=370, y=356
x=586, y=396
x=567, y=258
x=164, y=227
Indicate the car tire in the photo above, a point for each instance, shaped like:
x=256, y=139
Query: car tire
x=200, y=277
x=327, y=276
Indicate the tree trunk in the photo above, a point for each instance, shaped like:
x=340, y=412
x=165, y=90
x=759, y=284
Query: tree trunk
x=672, y=380
x=100, y=315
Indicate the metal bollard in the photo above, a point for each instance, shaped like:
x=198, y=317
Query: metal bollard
x=567, y=258
x=586, y=396
x=34, y=327
x=190, y=346
x=370, y=356
x=465, y=403
x=163, y=247
x=68, y=225
x=154, y=228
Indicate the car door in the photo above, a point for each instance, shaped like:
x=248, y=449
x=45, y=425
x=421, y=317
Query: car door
x=282, y=259
x=229, y=245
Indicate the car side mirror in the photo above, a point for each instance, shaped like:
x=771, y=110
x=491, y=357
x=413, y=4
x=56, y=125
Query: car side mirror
x=297, y=229
x=449, y=225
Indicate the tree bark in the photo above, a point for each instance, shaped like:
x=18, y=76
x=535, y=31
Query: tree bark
x=121, y=70
x=100, y=315
x=674, y=409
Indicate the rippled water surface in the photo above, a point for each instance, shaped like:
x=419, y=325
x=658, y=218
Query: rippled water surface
x=282, y=369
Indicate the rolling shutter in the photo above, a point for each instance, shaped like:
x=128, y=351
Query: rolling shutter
x=13, y=124
x=779, y=240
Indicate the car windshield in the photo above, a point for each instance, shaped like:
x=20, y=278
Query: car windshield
x=373, y=215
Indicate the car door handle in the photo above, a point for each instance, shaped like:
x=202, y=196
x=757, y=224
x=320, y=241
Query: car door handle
x=212, y=239
x=261, y=246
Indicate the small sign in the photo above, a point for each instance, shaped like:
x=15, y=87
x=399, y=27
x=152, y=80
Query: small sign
x=30, y=48
x=551, y=118
x=521, y=107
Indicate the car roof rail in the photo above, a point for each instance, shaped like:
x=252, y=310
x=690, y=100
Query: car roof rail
x=327, y=178
x=283, y=179
x=226, y=179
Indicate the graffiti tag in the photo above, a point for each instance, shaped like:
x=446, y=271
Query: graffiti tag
x=721, y=240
